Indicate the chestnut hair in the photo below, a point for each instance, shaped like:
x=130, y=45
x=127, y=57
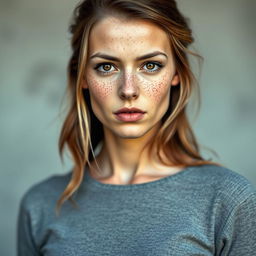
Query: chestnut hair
x=81, y=127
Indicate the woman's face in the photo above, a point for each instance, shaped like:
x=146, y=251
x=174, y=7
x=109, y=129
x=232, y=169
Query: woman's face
x=130, y=64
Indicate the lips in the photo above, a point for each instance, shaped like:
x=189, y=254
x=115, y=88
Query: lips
x=129, y=117
x=129, y=114
x=129, y=110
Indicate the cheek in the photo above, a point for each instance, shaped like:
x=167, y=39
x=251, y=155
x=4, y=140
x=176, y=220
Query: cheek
x=100, y=90
x=158, y=88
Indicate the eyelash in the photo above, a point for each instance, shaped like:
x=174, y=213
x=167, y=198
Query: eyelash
x=148, y=62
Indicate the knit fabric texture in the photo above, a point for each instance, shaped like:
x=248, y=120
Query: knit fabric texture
x=202, y=210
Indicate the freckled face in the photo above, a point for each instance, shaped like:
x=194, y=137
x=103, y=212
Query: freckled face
x=130, y=64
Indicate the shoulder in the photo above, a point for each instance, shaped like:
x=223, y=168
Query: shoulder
x=234, y=207
x=223, y=193
x=37, y=209
x=227, y=183
x=45, y=192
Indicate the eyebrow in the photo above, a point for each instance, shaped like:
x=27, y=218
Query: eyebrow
x=146, y=56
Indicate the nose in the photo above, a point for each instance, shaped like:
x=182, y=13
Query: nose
x=128, y=88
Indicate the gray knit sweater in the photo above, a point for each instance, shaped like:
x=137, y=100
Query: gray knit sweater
x=205, y=210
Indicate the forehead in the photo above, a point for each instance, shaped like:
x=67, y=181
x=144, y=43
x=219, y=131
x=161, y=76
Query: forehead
x=118, y=35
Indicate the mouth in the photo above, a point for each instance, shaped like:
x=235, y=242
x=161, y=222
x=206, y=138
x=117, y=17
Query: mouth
x=129, y=116
x=129, y=111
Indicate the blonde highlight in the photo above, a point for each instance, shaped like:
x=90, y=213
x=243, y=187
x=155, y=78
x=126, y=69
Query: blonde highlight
x=175, y=142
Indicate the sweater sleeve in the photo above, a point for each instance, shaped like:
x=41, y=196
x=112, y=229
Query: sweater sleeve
x=25, y=241
x=238, y=237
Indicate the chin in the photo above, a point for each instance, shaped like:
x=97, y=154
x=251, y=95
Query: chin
x=131, y=133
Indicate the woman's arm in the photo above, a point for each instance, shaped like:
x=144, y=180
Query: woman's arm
x=25, y=241
x=238, y=236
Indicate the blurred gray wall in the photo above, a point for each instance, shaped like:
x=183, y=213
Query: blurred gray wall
x=34, y=50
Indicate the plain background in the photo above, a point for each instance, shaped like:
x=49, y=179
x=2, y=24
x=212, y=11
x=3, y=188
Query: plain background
x=34, y=50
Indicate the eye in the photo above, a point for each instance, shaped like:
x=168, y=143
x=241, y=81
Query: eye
x=104, y=68
x=152, y=66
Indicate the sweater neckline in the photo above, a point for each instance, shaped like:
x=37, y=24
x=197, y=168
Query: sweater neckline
x=89, y=180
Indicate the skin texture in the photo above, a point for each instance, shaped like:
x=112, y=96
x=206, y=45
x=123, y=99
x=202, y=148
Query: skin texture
x=128, y=82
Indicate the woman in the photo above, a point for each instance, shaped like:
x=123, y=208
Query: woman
x=140, y=185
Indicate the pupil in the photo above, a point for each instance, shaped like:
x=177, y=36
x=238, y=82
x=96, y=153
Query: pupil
x=150, y=66
x=106, y=67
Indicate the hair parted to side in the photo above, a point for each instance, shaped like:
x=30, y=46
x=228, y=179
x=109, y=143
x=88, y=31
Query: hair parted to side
x=82, y=131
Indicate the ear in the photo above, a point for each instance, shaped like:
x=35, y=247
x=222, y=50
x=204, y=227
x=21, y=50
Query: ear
x=175, y=79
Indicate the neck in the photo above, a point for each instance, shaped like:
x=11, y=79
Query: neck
x=122, y=158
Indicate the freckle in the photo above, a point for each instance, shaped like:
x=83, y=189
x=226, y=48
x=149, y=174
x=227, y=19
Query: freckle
x=156, y=89
x=100, y=89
